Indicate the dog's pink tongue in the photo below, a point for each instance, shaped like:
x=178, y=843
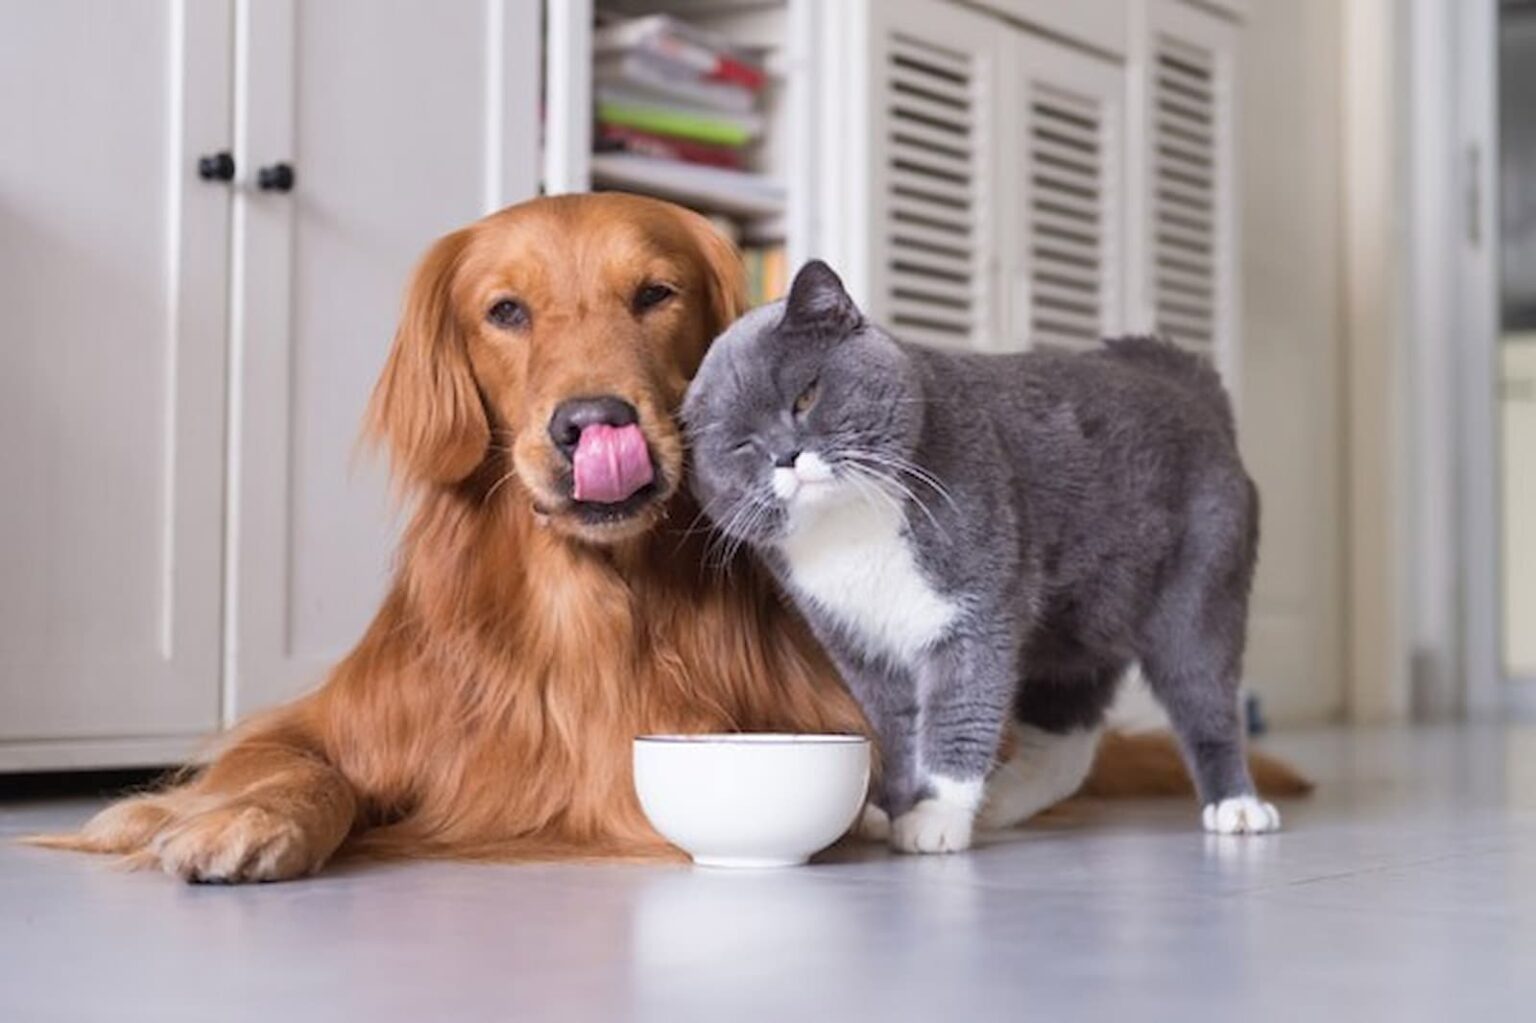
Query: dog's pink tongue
x=611, y=463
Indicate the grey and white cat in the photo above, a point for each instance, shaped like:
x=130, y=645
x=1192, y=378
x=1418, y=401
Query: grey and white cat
x=979, y=538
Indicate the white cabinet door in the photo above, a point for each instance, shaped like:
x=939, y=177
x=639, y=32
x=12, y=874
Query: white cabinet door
x=916, y=164
x=1097, y=24
x=1183, y=226
x=1062, y=194
x=112, y=319
x=400, y=121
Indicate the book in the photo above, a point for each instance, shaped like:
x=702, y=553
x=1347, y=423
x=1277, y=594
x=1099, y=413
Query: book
x=765, y=268
x=613, y=138
x=616, y=106
x=711, y=188
x=752, y=268
x=665, y=36
x=775, y=273
x=645, y=74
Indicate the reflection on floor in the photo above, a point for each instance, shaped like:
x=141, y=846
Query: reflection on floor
x=1404, y=890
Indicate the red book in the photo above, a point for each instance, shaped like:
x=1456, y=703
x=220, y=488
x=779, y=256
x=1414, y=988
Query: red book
x=729, y=69
x=664, y=36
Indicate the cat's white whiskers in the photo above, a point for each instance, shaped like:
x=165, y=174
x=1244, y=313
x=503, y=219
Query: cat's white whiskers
x=869, y=485
x=871, y=467
x=720, y=552
x=742, y=527
x=881, y=480
x=892, y=481
x=870, y=480
x=906, y=465
x=745, y=516
x=903, y=464
x=736, y=528
x=927, y=477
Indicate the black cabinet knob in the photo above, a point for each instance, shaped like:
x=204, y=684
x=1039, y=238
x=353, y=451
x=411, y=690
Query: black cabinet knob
x=276, y=177
x=216, y=167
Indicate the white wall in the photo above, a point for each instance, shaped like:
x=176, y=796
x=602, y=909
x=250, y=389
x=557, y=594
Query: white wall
x=1290, y=156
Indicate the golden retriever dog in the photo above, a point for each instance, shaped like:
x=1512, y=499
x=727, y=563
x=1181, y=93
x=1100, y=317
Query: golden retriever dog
x=553, y=597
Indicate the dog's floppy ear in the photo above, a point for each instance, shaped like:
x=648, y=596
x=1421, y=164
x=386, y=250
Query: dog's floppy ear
x=725, y=277
x=426, y=406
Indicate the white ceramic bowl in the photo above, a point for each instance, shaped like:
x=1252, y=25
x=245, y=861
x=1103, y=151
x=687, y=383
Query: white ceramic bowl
x=751, y=800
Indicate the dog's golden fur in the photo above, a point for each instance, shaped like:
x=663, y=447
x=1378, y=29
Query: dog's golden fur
x=488, y=710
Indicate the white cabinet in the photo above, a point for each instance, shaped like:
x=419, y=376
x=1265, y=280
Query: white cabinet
x=991, y=164
x=1183, y=225
x=401, y=122
x=1101, y=25
x=112, y=363
x=931, y=171
x=1002, y=188
x=1064, y=195
x=184, y=363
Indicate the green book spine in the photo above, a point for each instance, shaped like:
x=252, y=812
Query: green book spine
x=668, y=122
x=754, y=258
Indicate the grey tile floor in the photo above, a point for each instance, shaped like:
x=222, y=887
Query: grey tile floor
x=1404, y=890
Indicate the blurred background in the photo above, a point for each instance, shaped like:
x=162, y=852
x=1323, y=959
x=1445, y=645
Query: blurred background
x=208, y=210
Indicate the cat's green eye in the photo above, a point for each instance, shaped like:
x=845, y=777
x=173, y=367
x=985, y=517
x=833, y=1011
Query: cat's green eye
x=806, y=398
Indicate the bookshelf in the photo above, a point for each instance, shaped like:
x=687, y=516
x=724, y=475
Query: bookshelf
x=760, y=192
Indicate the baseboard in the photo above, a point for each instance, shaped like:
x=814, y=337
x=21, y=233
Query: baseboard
x=82, y=754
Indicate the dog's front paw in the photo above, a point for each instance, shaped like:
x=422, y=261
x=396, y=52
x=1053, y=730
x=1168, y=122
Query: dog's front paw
x=1240, y=815
x=873, y=825
x=933, y=826
x=235, y=843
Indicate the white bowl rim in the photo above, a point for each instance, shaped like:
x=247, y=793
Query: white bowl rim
x=758, y=739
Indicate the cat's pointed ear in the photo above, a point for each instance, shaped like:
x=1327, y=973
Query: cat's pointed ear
x=818, y=300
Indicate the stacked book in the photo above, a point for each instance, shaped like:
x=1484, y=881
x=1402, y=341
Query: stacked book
x=767, y=274
x=677, y=112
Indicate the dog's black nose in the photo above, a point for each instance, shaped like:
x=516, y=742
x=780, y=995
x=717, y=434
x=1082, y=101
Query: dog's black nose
x=575, y=414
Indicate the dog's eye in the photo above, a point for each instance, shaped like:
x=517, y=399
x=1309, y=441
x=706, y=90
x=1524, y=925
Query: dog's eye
x=651, y=295
x=807, y=398
x=508, y=315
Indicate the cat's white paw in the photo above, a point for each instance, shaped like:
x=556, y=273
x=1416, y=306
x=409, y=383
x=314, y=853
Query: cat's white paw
x=1240, y=815
x=873, y=825
x=933, y=826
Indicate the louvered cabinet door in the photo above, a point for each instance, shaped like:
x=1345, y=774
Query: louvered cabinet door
x=930, y=268
x=1063, y=178
x=1184, y=225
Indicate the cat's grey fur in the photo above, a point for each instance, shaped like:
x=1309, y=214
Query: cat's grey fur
x=1076, y=513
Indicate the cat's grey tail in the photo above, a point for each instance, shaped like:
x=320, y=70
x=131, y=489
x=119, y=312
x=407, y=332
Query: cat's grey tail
x=1169, y=360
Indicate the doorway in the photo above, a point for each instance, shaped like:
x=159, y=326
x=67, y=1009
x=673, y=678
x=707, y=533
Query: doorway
x=1516, y=365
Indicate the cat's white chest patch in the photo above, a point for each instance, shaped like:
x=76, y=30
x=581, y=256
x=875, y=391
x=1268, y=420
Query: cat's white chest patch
x=853, y=558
